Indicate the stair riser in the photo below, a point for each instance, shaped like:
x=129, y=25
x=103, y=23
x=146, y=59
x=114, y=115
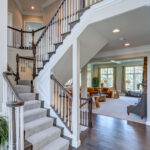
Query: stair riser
x=24, y=82
x=37, y=129
x=46, y=141
x=32, y=106
x=24, y=89
x=27, y=97
x=63, y=145
x=34, y=116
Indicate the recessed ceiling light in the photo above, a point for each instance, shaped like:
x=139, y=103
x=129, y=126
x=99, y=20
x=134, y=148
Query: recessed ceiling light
x=32, y=7
x=116, y=31
x=127, y=44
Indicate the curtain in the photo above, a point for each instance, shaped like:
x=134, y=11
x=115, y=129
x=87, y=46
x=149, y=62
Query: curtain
x=145, y=75
x=114, y=76
x=99, y=75
x=123, y=80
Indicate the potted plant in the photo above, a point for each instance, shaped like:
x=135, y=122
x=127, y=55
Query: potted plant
x=95, y=82
x=3, y=131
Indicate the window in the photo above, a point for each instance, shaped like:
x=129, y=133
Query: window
x=29, y=26
x=134, y=76
x=89, y=76
x=107, y=77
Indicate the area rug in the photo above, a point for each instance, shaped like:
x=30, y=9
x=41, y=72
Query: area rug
x=117, y=108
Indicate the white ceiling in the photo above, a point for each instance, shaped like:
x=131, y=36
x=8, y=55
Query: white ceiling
x=25, y=6
x=134, y=28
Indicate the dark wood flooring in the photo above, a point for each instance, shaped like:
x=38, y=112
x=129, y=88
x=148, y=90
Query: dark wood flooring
x=115, y=134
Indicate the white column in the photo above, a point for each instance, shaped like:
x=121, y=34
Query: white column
x=148, y=89
x=76, y=95
x=3, y=49
x=84, y=82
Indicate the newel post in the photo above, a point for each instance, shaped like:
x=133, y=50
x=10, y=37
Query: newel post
x=17, y=69
x=90, y=113
x=32, y=39
x=21, y=39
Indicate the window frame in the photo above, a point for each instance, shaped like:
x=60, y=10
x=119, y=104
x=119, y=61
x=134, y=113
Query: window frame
x=134, y=74
x=108, y=74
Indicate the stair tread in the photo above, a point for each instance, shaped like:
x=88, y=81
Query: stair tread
x=38, y=122
x=45, y=134
x=22, y=86
x=34, y=111
x=58, y=144
x=32, y=102
x=27, y=93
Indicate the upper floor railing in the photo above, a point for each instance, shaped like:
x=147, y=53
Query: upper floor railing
x=23, y=39
x=59, y=26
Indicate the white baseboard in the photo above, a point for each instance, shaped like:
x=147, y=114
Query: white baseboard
x=148, y=123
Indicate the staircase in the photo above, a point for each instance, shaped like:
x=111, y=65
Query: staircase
x=31, y=125
x=29, y=118
x=40, y=129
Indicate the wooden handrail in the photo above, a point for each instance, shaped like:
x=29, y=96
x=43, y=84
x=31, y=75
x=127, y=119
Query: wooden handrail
x=19, y=101
x=40, y=29
x=26, y=31
x=61, y=3
x=66, y=91
x=11, y=70
x=26, y=58
x=88, y=101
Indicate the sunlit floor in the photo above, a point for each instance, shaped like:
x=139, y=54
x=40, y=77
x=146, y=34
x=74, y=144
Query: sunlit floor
x=115, y=134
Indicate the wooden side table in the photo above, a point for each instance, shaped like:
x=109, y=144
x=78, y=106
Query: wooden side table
x=116, y=95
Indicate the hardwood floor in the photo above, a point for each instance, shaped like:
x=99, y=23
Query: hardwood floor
x=115, y=134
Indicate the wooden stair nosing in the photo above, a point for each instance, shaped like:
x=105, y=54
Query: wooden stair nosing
x=27, y=145
x=45, y=61
x=72, y=24
x=39, y=69
x=57, y=44
x=64, y=35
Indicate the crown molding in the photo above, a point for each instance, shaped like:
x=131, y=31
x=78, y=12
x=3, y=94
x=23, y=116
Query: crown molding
x=47, y=3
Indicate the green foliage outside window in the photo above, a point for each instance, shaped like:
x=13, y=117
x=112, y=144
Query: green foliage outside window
x=95, y=82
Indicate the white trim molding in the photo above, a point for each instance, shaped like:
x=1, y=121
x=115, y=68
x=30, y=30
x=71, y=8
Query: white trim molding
x=148, y=123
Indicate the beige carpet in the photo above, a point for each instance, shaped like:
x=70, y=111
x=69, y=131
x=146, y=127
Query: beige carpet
x=117, y=108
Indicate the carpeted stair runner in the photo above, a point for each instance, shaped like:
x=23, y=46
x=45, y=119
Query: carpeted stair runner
x=38, y=127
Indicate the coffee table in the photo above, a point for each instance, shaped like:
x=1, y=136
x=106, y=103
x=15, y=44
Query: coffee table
x=101, y=98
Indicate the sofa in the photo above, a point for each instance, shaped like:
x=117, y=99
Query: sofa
x=94, y=91
x=91, y=91
x=133, y=93
x=140, y=108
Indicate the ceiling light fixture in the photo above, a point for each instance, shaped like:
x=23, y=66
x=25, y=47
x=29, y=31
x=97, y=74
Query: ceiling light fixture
x=32, y=7
x=115, y=31
x=127, y=44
